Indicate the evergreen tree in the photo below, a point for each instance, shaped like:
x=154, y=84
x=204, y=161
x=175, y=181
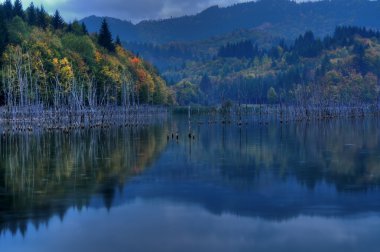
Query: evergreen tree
x=8, y=9
x=118, y=42
x=3, y=32
x=70, y=27
x=105, y=37
x=307, y=45
x=31, y=15
x=57, y=21
x=84, y=29
x=75, y=27
x=17, y=9
x=42, y=18
x=243, y=49
x=3, y=44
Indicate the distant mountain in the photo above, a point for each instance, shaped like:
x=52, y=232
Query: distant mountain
x=125, y=29
x=173, y=55
x=283, y=18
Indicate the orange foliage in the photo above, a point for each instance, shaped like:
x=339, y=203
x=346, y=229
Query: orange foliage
x=98, y=56
x=135, y=60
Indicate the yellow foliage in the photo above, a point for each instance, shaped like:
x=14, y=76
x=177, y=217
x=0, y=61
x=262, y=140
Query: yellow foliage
x=53, y=57
x=111, y=75
x=64, y=73
x=98, y=56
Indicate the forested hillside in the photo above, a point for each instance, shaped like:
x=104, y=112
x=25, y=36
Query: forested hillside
x=175, y=54
x=48, y=61
x=252, y=51
x=340, y=69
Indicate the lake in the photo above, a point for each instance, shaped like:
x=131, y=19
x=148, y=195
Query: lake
x=310, y=186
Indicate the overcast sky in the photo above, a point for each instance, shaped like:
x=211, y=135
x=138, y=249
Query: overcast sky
x=133, y=10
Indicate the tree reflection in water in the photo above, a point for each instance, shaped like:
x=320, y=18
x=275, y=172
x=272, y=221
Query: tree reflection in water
x=44, y=175
x=271, y=171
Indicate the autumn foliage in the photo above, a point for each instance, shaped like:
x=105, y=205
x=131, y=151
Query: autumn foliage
x=67, y=56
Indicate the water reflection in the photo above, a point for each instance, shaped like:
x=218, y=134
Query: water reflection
x=277, y=172
x=143, y=226
x=265, y=173
x=44, y=175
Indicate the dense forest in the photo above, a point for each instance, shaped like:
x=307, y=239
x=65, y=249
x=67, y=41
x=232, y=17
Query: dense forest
x=46, y=61
x=340, y=69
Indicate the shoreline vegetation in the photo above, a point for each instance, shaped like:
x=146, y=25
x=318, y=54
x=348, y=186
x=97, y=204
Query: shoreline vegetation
x=67, y=118
x=57, y=76
x=37, y=118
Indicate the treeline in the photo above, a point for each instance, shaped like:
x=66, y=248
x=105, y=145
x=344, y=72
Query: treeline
x=34, y=16
x=38, y=17
x=243, y=49
x=306, y=45
x=176, y=50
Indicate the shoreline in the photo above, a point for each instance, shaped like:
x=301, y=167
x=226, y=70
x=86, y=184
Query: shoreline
x=29, y=119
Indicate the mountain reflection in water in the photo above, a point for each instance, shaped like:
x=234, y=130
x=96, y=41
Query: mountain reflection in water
x=273, y=174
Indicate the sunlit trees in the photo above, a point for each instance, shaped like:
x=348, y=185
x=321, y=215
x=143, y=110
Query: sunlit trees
x=48, y=65
x=305, y=67
x=187, y=93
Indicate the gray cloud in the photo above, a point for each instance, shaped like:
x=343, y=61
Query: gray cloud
x=134, y=10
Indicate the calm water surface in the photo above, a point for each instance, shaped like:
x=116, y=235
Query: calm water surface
x=296, y=187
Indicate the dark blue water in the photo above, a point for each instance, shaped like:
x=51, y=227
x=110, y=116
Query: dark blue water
x=297, y=187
